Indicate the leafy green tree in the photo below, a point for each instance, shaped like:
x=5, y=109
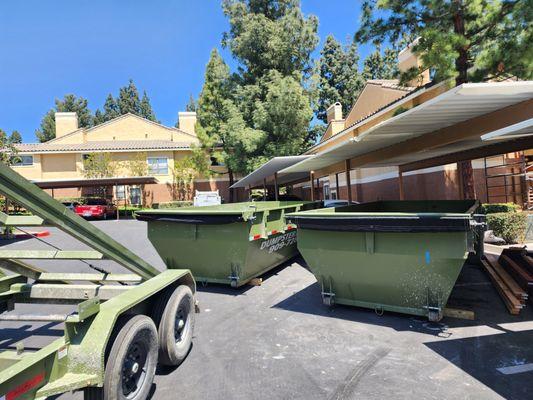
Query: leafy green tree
x=339, y=77
x=15, y=137
x=146, y=108
x=381, y=66
x=70, y=103
x=136, y=165
x=99, y=165
x=472, y=40
x=128, y=99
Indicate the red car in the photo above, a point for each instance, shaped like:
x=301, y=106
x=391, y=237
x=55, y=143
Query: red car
x=96, y=208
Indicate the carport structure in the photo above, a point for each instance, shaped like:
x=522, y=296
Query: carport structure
x=267, y=175
x=430, y=127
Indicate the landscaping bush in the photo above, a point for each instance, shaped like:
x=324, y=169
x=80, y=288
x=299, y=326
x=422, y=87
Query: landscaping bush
x=510, y=226
x=499, y=208
x=172, y=204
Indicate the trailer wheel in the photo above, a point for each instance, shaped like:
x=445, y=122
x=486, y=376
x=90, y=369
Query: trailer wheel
x=131, y=364
x=175, y=317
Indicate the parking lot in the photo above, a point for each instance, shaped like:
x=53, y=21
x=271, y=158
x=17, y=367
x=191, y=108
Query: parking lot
x=277, y=340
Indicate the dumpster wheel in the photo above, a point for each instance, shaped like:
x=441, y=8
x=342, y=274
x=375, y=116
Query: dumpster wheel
x=328, y=300
x=131, y=364
x=175, y=316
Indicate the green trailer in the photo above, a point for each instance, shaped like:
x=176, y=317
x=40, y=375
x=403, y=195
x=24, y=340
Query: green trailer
x=228, y=243
x=121, y=325
x=399, y=256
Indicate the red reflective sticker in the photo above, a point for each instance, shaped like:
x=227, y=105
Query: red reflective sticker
x=25, y=387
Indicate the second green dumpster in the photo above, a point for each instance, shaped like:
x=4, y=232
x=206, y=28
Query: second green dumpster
x=400, y=256
x=229, y=243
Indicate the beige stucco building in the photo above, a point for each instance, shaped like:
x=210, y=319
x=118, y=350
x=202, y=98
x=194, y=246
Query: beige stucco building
x=126, y=141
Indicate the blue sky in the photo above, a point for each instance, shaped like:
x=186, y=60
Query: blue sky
x=92, y=47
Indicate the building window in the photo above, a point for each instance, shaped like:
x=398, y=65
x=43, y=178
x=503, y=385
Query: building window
x=135, y=195
x=158, y=165
x=121, y=192
x=22, y=161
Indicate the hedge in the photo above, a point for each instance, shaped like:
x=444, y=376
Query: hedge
x=499, y=208
x=510, y=226
x=172, y=204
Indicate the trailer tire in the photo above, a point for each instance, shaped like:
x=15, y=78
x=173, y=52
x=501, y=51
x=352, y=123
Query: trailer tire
x=133, y=353
x=175, y=317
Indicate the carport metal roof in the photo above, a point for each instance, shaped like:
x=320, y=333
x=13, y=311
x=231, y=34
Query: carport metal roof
x=69, y=183
x=268, y=169
x=458, y=105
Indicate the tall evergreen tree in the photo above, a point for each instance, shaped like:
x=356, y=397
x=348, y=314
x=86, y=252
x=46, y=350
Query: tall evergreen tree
x=339, y=77
x=146, y=108
x=467, y=40
x=273, y=42
x=220, y=123
x=191, y=104
x=269, y=35
x=381, y=66
x=15, y=137
x=70, y=103
x=111, y=108
x=128, y=99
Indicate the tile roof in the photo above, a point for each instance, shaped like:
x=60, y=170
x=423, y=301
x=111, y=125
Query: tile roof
x=391, y=84
x=112, y=145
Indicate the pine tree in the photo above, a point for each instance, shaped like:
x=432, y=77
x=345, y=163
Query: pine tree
x=339, y=77
x=146, y=108
x=272, y=41
x=128, y=99
x=467, y=40
x=191, y=104
x=381, y=66
x=15, y=137
x=70, y=103
x=111, y=108
x=269, y=35
x=219, y=121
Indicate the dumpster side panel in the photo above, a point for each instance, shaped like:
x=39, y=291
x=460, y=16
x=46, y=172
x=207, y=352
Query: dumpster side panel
x=401, y=272
x=266, y=254
x=212, y=252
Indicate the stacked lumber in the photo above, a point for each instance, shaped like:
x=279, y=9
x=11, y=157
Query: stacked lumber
x=510, y=279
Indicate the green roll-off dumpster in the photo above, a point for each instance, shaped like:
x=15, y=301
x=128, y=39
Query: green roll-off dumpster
x=400, y=256
x=229, y=243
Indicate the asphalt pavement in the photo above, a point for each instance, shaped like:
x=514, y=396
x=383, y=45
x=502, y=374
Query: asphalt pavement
x=278, y=341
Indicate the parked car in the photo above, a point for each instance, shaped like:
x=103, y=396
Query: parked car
x=71, y=205
x=96, y=208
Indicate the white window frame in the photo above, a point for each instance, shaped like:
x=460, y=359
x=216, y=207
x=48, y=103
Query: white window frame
x=160, y=168
x=21, y=163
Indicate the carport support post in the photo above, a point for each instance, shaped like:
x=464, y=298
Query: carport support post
x=116, y=201
x=337, y=185
x=348, y=183
x=312, y=177
x=264, y=189
x=400, y=184
x=276, y=189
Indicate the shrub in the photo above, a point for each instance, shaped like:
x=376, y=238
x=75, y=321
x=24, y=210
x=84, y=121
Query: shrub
x=499, y=208
x=172, y=204
x=510, y=226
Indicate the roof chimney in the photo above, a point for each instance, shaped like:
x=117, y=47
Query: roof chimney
x=66, y=122
x=407, y=60
x=334, y=112
x=187, y=121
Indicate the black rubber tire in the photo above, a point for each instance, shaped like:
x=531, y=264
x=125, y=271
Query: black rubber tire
x=173, y=351
x=140, y=329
